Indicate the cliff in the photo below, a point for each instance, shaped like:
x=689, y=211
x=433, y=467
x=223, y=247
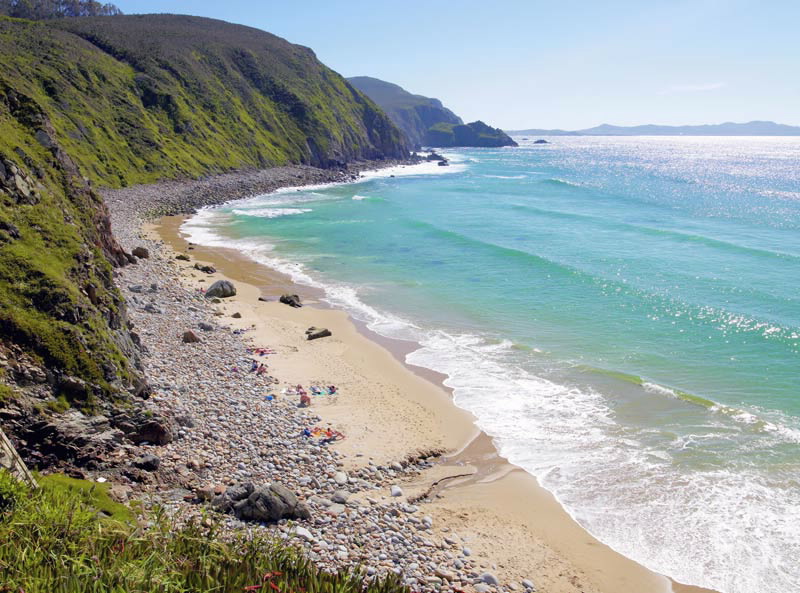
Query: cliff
x=115, y=101
x=413, y=114
x=475, y=134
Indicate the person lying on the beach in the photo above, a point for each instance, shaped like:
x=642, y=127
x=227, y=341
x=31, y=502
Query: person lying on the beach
x=331, y=389
x=300, y=390
x=316, y=390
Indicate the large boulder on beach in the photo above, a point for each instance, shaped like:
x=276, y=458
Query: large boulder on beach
x=292, y=300
x=221, y=289
x=189, y=337
x=261, y=503
x=313, y=333
x=141, y=252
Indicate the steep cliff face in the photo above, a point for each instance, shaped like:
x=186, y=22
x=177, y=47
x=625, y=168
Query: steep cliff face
x=475, y=134
x=413, y=114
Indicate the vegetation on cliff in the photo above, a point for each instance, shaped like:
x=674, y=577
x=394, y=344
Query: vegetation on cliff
x=413, y=114
x=475, y=134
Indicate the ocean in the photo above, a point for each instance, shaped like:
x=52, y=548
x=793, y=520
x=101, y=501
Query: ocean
x=622, y=315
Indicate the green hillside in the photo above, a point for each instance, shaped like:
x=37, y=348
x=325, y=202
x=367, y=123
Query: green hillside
x=140, y=98
x=413, y=114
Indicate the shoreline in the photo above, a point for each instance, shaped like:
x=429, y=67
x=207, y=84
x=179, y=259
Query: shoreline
x=493, y=494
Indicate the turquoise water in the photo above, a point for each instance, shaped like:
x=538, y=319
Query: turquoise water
x=622, y=315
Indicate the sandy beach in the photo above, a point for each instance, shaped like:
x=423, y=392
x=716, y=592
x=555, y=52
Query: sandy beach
x=389, y=411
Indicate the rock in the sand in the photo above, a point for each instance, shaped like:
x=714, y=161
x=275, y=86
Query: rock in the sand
x=182, y=257
x=221, y=289
x=466, y=552
x=292, y=300
x=340, y=496
x=237, y=315
x=397, y=491
x=137, y=288
x=313, y=333
x=528, y=584
x=190, y=337
x=141, y=252
x=489, y=579
x=340, y=478
x=206, y=269
x=206, y=327
x=147, y=462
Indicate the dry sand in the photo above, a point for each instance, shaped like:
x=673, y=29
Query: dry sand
x=389, y=411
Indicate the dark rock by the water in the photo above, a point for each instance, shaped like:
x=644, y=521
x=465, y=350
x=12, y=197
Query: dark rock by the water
x=206, y=269
x=312, y=333
x=541, y=141
x=444, y=164
x=237, y=315
x=222, y=289
x=141, y=252
x=189, y=337
x=263, y=503
x=147, y=462
x=182, y=257
x=435, y=156
x=292, y=300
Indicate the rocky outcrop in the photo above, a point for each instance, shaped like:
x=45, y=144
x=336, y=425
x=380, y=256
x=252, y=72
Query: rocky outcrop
x=314, y=333
x=266, y=504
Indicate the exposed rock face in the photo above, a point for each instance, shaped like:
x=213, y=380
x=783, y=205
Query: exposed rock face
x=264, y=503
x=475, y=134
x=292, y=300
x=221, y=289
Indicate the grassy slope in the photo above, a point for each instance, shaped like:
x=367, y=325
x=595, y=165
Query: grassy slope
x=140, y=98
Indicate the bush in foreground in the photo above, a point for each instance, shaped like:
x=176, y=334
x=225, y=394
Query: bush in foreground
x=68, y=536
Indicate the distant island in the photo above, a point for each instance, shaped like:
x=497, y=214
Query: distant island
x=424, y=120
x=753, y=128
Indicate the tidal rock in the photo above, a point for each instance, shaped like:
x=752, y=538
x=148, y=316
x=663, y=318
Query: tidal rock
x=206, y=269
x=292, y=300
x=182, y=257
x=221, y=289
x=141, y=252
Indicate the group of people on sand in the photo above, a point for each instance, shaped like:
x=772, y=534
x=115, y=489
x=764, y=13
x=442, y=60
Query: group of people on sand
x=328, y=435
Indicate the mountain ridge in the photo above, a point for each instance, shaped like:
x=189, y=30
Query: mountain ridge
x=751, y=128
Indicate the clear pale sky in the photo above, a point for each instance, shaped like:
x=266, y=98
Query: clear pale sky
x=552, y=63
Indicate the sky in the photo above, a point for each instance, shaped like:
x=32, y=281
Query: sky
x=566, y=64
